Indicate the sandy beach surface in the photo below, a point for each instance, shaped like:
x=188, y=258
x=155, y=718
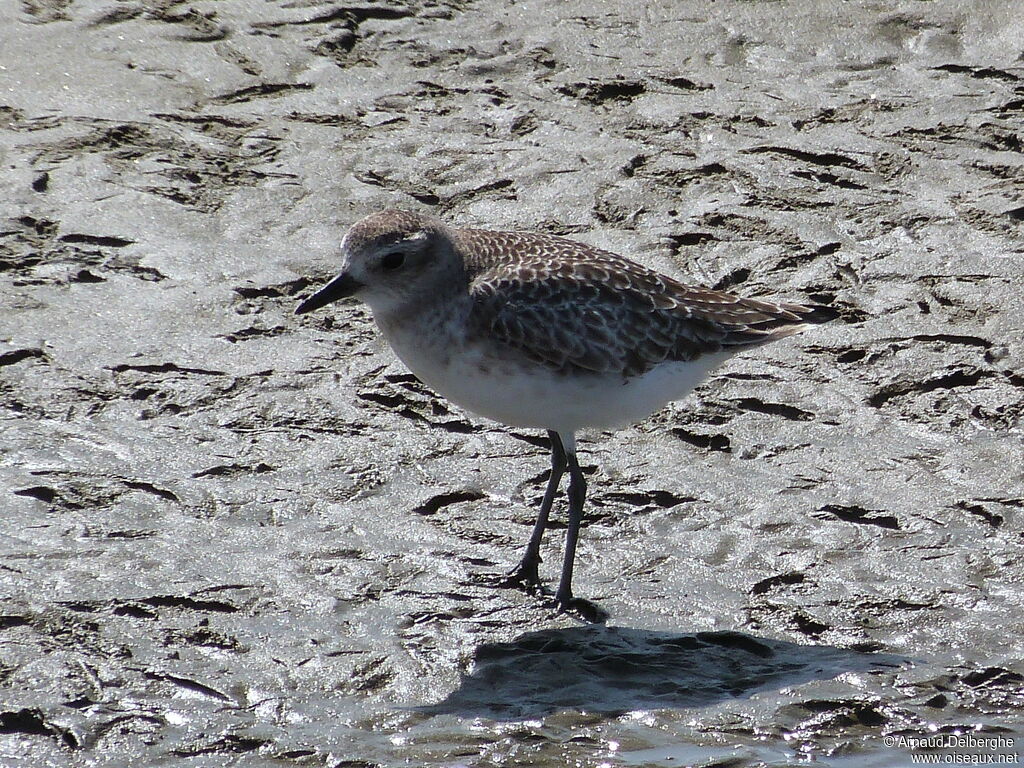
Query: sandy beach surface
x=234, y=537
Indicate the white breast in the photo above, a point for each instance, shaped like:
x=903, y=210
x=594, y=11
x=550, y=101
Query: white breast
x=526, y=395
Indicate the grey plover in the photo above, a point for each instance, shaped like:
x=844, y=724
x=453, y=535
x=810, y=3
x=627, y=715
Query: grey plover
x=534, y=330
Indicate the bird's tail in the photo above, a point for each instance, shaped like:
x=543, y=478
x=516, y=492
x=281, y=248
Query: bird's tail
x=769, y=322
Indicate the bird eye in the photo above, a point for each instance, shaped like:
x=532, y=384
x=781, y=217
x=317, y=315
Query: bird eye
x=392, y=261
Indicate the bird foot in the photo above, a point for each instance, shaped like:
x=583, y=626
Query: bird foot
x=587, y=610
x=524, y=576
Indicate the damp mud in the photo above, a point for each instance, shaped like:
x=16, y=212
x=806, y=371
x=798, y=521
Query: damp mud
x=235, y=537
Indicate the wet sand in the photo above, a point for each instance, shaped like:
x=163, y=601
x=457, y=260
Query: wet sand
x=236, y=537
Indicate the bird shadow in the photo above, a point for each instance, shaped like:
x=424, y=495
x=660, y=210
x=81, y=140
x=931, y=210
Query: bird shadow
x=611, y=670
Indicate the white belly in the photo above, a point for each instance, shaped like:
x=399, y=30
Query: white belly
x=521, y=396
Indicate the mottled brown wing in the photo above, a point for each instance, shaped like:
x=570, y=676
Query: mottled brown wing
x=570, y=307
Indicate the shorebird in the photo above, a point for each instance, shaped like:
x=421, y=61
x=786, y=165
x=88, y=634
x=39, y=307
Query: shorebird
x=534, y=330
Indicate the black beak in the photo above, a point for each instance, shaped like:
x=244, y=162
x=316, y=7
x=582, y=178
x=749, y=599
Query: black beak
x=341, y=287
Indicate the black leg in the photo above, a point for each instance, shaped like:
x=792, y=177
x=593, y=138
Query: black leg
x=526, y=573
x=577, y=493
